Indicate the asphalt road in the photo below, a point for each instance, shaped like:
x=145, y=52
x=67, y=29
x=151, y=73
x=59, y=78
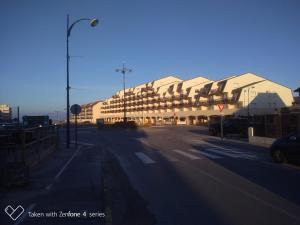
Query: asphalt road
x=190, y=178
x=184, y=175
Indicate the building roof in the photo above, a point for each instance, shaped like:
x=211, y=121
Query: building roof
x=297, y=90
x=91, y=104
x=240, y=88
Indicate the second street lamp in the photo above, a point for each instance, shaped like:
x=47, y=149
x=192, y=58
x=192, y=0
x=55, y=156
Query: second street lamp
x=93, y=23
x=124, y=70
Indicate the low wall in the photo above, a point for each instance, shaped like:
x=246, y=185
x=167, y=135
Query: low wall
x=260, y=141
x=16, y=158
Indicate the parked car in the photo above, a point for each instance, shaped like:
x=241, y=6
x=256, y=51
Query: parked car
x=230, y=126
x=286, y=149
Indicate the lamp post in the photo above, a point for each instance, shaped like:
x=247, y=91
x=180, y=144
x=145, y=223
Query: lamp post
x=93, y=23
x=124, y=70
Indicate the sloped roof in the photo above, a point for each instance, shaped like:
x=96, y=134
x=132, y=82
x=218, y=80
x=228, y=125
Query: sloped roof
x=297, y=90
x=90, y=103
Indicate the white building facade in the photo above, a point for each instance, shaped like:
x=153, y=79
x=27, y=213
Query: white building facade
x=194, y=101
x=90, y=112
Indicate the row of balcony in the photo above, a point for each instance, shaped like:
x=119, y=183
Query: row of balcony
x=133, y=98
x=165, y=106
x=147, y=100
x=182, y=103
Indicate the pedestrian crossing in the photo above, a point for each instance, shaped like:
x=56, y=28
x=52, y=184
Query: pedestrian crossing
x=208, y=155
x=144, y=158
x=209, y=151
x=190, y=156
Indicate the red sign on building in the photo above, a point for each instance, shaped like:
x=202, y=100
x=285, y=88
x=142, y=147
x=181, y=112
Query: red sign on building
x=221, y=107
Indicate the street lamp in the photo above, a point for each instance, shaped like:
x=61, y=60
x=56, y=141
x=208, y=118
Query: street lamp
x=124, y=70
x=93, y=23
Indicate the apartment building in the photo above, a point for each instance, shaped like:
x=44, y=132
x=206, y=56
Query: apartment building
x=193, y=101
x=90, y=112
x=5, y=113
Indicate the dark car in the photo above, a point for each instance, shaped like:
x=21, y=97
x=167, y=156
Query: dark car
x=230, y=126
x=286, y=149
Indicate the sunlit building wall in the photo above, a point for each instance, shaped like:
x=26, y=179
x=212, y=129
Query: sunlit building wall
x=90, y=112
x=193, y=101
x=5, y=113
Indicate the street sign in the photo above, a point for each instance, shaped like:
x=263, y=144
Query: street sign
x=221, y=107
x=75, y=109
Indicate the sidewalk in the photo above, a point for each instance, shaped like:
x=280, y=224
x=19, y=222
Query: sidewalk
x=68, y=180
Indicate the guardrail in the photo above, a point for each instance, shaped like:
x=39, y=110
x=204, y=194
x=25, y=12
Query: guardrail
x=21, y=149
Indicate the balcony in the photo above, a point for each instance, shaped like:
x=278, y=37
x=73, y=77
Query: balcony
x=200, y=103
x=217, y=91
x=146, y=89
x=214, y=91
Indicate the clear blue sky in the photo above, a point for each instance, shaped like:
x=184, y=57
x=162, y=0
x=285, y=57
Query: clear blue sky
x=212, y=38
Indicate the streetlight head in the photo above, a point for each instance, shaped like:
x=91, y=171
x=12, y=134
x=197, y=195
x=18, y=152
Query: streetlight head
x=94, y=22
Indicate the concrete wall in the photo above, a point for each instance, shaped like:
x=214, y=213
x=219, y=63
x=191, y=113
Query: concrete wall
x=265, y=97
x=96, y=112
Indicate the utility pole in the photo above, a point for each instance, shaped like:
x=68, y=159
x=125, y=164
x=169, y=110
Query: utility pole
x=124, y=70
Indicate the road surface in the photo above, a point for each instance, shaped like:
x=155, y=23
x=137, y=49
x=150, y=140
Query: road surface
x=183, y=175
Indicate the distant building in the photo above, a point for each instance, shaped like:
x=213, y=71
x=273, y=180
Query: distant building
x=5, y=113
x=90, y=112
x=194, y=101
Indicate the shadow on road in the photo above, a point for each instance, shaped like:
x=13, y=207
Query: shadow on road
x=175, y=199
x=281, y=180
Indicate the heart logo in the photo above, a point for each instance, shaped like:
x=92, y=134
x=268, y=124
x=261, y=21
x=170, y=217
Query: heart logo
x=14, y=214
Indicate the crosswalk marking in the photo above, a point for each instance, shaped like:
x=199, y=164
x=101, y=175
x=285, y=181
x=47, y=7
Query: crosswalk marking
x=168, y=157
x=232, y=151
x=144, y=158
x=222, y=152
x=205, y=154
x=186, y=154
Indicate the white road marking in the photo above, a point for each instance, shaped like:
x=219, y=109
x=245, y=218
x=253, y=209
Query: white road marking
x=144, y=158
x=168, y=157
x=65, y=166
x=234, y=151
x=222, y=152
x=186, y=154
x=231, y=152
x=205, y=154
x=49, y=186
x=24, y=215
